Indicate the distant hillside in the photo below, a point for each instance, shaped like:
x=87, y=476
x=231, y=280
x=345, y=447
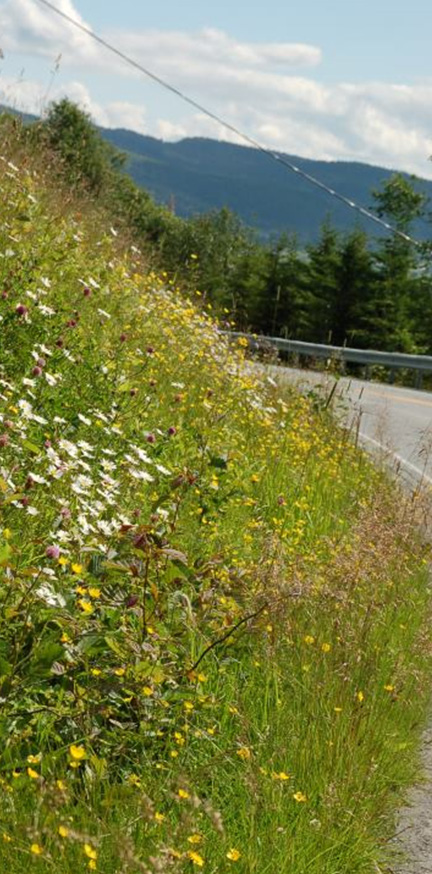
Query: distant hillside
x=197, y=175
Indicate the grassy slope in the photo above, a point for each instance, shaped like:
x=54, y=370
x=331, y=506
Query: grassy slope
x=153, y=495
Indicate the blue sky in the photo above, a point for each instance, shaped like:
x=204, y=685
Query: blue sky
x=334, y=80
x=359, y=38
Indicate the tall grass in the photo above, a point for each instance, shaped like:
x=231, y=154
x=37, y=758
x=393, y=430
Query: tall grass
x=214, y=639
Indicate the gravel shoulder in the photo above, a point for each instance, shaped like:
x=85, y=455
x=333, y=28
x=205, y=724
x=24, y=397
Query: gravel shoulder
x=413, y=839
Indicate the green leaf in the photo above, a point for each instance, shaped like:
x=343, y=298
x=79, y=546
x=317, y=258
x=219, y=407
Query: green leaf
x=5, y=667
x=44, y=656
x=95, y=565
x=5, y=553
x=15, y=497
x=114, y=646
x=31, y=447
x=92, y=644
x=219, y=461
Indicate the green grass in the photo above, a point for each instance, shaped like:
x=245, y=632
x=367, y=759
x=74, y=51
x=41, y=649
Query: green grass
x=214, y=642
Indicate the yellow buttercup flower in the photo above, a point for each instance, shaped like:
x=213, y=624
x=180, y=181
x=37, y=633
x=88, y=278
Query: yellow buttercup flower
x=36, y=849
x=90, y=851
x=94, y=592
x=196, y=858
x=233, y=855
x=244, y=753
x=86, y=606
x=134, y=780
x=78, y=753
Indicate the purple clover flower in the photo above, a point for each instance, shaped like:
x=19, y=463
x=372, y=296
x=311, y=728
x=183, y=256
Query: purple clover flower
x=52, y=551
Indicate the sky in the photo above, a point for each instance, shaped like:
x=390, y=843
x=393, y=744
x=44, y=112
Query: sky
x=333, y=80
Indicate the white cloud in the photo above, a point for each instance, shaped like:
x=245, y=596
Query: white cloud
x=166, y=130
x=127, y=115
x=29, y=95
x=27, y=26
x=257, y=87
x=210, y=46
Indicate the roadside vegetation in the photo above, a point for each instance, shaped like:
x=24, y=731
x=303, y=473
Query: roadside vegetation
x=357, y=289
x=214, y=611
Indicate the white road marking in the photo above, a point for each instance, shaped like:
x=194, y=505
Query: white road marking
x=402, y=461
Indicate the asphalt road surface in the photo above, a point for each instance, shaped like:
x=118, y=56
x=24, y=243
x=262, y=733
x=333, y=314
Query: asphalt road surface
x=392, y=422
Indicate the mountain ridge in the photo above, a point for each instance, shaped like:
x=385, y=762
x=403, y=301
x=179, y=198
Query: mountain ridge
x=199, y=174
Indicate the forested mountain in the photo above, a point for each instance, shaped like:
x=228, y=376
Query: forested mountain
x=197, y=175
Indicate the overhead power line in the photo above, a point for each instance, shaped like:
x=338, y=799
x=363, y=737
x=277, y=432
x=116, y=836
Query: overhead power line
x=269, y=153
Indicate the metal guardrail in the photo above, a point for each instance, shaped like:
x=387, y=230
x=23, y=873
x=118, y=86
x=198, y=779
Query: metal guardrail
x=390, y=360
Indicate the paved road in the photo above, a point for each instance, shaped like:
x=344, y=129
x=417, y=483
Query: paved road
x=391, y=421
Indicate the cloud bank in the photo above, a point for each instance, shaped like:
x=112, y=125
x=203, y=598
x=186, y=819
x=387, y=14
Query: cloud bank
x=261, y=88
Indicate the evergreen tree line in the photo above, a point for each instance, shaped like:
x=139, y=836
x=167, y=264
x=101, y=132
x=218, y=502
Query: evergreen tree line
x=346, y=289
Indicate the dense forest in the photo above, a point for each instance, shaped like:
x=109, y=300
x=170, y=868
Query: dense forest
x=352, y=288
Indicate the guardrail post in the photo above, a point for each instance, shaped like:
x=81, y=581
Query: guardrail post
x=392, y=373
x=418, y=379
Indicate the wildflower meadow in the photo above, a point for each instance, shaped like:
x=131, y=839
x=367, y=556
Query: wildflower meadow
x=214, y=624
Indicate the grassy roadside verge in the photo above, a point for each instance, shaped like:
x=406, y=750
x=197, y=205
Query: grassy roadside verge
x=214, y=644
